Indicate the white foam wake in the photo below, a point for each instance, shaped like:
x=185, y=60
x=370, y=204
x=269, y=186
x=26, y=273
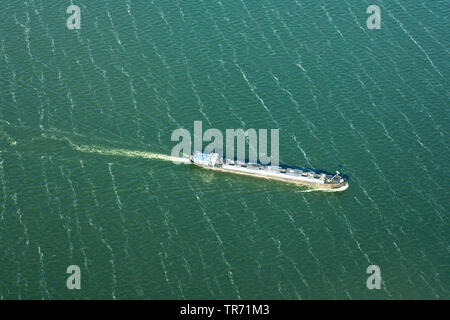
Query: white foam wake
x=326, y=190
x=129, y=153
x=121, y=152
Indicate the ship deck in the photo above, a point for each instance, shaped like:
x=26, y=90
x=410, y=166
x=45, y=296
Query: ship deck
x=286, y=174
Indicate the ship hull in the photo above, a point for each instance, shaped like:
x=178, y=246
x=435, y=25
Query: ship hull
x=265, y=175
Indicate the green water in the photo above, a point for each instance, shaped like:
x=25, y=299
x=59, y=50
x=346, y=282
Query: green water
x=84, y=112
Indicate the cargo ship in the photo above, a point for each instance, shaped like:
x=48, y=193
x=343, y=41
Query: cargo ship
x=320, y=180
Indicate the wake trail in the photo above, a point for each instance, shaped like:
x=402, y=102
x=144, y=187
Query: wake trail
x=121, y=152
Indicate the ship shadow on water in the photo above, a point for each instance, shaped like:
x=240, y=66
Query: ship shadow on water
x=206, y=176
